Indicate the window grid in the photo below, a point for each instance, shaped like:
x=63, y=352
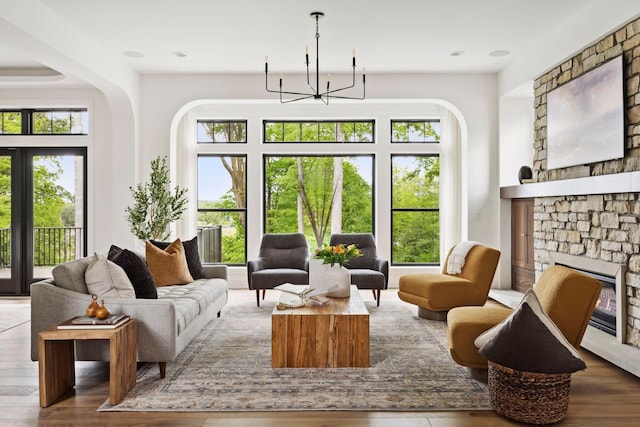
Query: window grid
x=218, y=242
x=415, y=210
x=52, y=121
x=222, y=131
x=415, y=131
x=313, y=131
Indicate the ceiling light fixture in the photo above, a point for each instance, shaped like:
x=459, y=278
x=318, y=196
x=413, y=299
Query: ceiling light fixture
x=498, y=53
x=315, y=93
x=133, y=54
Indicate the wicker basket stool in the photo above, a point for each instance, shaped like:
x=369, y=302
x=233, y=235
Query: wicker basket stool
x=528, y=397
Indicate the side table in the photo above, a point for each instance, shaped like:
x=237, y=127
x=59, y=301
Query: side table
x=56, y=360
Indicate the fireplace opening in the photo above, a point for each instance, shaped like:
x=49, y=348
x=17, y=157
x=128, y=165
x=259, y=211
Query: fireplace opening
x=604, y=315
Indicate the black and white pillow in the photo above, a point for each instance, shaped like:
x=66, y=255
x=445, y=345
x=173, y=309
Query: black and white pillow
x=529, y=341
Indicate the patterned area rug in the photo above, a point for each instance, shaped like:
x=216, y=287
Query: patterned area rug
x=227, y=367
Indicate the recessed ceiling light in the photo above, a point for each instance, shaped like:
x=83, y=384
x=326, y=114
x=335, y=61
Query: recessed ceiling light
x=179, y=54
x=457, y=53
x=501, y=52
x=133, y=54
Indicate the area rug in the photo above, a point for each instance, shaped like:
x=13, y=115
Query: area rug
x=227, y=367
x=14, y=314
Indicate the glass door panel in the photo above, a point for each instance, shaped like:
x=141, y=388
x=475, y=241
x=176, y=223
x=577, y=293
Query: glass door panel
x=7, y=285
x=58, y=211
x=42, y=213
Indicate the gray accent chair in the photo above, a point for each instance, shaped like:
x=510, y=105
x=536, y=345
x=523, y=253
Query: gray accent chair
x=283, y=258
x=367, y=271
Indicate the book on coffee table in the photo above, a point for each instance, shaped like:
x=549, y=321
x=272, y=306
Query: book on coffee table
x=294, y=296
x=304, y=290
x=86, y=322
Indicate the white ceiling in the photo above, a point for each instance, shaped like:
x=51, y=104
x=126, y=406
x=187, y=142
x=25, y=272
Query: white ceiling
x=405, y=36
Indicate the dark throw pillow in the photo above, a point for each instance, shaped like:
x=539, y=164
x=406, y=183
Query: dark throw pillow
x=191, y=252
x=529, y=341
x=137, y=272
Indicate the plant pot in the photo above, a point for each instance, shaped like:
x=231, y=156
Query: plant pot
x=325, y=276
x=337, y=275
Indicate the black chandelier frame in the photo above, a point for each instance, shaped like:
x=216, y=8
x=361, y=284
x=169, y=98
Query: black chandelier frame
x=329, y=93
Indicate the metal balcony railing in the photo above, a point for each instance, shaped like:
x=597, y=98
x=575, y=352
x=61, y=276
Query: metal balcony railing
x=55, y=245
x=51, y=245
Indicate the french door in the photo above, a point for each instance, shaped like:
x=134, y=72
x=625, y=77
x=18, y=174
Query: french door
x=42, y=213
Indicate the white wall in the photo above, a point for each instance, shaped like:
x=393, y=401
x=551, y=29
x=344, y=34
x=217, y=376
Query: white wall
x=516, y=137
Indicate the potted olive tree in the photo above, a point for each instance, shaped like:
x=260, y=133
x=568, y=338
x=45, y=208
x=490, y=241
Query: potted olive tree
x=155, y=206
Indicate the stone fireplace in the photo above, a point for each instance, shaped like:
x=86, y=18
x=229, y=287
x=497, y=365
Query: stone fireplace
x=588, y=216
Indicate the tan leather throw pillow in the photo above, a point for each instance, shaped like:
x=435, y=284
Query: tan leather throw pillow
x=168, y=266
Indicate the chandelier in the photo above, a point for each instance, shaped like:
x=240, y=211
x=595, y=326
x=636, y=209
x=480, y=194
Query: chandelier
x=315, y=92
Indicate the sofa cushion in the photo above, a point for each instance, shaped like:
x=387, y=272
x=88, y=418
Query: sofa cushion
x=137, y=272
x=168, y=266
x=190, y=252
x=107, y=279
x=529, y=341
x=70, y=275
x=192, y=299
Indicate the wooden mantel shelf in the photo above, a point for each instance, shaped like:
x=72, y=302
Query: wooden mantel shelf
x=627, y=182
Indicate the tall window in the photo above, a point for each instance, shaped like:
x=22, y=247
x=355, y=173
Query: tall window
x=415, y=213
x=318, y=194
x=222, y=208
x=415, y=195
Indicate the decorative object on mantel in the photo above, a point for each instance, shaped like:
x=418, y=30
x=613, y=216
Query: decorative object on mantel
x=525, y=175
x=316, y=93
x=327, y=273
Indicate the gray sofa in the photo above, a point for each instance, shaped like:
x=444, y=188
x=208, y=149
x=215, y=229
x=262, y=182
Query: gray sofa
x=165, y=325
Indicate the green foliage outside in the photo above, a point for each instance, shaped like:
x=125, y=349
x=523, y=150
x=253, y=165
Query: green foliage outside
x=308, y=181
x=11, y=122
x=283, y=187
x=416, y=233
x=50, y=202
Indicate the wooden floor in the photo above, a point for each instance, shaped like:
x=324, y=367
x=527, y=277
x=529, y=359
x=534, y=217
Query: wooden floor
x=603, y=395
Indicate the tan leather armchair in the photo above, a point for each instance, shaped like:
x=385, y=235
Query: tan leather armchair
x=436, y=294
x=567, y=296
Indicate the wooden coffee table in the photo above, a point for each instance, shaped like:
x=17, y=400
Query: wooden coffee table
x=334, y=335
x=56, y=360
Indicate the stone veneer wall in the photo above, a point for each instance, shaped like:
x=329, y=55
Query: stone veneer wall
x=602, y=226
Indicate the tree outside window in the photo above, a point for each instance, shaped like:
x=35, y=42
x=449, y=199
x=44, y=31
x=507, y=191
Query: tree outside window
x=318, y=195
x=415, y=213
x=222, y=216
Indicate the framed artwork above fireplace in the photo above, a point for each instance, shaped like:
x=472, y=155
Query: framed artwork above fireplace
x=585, y=118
